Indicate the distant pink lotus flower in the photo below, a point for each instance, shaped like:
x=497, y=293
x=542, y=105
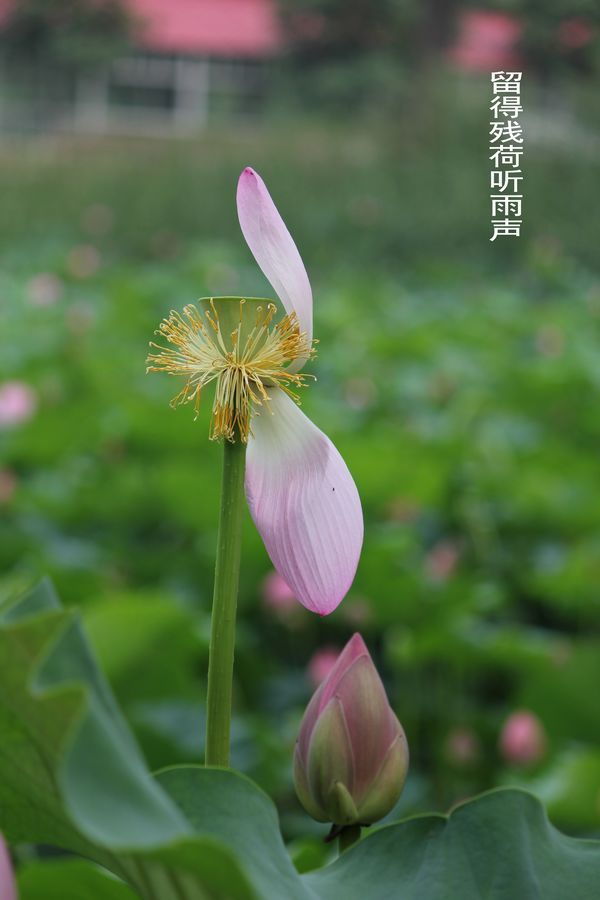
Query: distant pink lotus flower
x=462, y=746
x=575, y=33
x=550, y=341
x=83, y=261
x=321, y=663
x=441, y=560
x=299, y=490
x=358, y=612
x=18, y=403
x=44, y=289
x=8, y=485
x=277, y=594
x=97, y=219
x=360, y=393
x=8, y=890
x=351, y=756
x=523, y=738
x=486, y=40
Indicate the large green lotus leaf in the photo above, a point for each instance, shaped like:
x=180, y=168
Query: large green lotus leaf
x=499, y=846
x=71, y=774
x=235, y=811
x=57, y=713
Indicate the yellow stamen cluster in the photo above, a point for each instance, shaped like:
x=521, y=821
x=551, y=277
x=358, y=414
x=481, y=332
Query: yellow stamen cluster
x=243, y=364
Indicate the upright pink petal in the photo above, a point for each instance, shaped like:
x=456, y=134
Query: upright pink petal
x=273, y=247
x=371, y=725
x=8, y=890
x=304, y=503
x=354, y=649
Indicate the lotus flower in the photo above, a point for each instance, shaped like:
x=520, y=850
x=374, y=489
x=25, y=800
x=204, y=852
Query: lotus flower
x=8, y=890
x=300, y=493
x=321, y=663
x=351, y=756
x=18, y=403
x=277, y=594
x=523, y=738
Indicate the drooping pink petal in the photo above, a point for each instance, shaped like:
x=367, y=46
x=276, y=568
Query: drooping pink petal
x=304, y=503
x=273, y=247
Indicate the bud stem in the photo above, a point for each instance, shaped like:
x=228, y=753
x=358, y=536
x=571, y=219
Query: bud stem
x=348, y=836
x=227, y=576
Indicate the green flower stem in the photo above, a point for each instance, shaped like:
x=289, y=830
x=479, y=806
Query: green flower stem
x=348, y=836
x=227, y=576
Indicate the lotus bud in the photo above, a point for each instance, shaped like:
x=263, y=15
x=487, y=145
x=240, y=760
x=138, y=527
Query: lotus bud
x=351, y=756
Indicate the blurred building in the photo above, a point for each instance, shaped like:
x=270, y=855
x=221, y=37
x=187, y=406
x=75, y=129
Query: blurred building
x=190, y=61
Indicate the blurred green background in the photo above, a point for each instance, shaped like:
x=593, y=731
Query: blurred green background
x=459, y=378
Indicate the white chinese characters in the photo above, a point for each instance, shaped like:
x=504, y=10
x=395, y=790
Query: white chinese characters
x=506, y=148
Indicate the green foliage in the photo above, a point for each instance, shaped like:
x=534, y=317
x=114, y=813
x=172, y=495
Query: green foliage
x=556, y=35
x=65, y=33
x=70, y=879
x=71, y=775
x=458, y=378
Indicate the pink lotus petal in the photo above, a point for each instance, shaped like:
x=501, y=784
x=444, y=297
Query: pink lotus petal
x=372, y=727
x=354, y=649
x=8, y=890
x=273, y=247
x=304, y=503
